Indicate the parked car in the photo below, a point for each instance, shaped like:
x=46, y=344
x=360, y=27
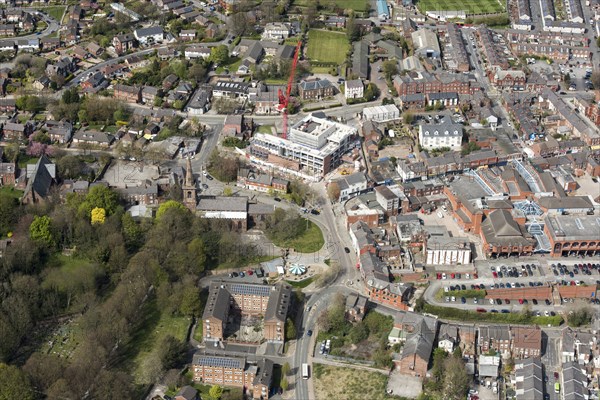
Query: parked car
x=347, y=250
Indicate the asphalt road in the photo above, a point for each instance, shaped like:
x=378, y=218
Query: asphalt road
x=52, y=27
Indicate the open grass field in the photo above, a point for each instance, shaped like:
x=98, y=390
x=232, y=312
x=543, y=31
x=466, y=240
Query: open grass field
x=55, y=12
x=469, y=6
x=309, y=242
x=356, y=5
x=348, y=383
x=326, y=46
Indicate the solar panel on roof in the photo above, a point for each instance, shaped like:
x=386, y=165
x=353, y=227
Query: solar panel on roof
x=579, y=224
x=257, y=290
x=219, y=362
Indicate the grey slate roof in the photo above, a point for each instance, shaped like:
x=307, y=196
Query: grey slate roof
x=530, y=383
x=315, y=85
x=188, y=393
x=40, y=180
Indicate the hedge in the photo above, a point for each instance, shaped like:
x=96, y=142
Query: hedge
x=507, y=318
x=469, y=293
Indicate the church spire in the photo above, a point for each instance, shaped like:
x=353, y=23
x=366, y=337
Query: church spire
x=189, y=176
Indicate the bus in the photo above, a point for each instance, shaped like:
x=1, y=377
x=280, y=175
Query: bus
x=557, y=387
x=305, y=371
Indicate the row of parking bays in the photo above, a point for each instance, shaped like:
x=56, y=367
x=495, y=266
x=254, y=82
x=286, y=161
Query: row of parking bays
x=513, y=272
x=583, y=269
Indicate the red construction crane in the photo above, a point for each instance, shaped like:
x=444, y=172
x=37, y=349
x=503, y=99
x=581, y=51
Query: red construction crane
x=284, y=100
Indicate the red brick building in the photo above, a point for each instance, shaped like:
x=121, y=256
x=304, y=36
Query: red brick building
x=130, y=94
x=234, y=371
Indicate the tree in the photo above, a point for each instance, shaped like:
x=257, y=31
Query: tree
x=456, y=379
x=219, y=54
x=227, y=191
x=70, y=96
x=408, y=118
x=285, y=369
x=166, y=206
x=14, y=384
x=171, y=352
x=352, y=30
x=439, y=358
x=389, y=68
x=99, y=197
x=239, y=24
x=284, y=383
x=567, y=78
x=595, y=79
x=290, y=329
x=70, y=167
x=215, y=392
x=333, y=191
x=371, y=92
x=11, y=152
x=40, y=230
x=98, y=216
x=9, y=207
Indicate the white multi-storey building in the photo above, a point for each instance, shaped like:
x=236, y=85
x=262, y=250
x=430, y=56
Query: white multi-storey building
x=276, y=31
x=444, y=134
x=314, y=145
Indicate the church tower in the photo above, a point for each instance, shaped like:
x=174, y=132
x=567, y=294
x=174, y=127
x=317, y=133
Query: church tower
x=189, y=187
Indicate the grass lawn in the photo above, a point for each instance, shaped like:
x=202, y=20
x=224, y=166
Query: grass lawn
x=302, y=284
x=348, y=383
x=326, y=46
x=320, y=70
x=24, y=160
x=356, y=5
x=265, y=129
x=11, y=191
x=470, y=6
x=55, y=12
x=232, y=65
x=276, y=81
x=156, y=325
x=309, y=242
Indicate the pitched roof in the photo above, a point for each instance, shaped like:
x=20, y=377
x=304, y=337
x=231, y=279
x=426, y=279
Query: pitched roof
x=40, y=180
x=315, y=84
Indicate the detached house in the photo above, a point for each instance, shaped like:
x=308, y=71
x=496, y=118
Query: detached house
x=62, y=67
x=130, y=94
x=354, y=89
x=147, y=36
x=124, y=42
x=95, y=138
x=315, y=89
x=12, y=131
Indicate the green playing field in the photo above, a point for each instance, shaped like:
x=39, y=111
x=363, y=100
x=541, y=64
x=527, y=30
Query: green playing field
x=326, y=46
x=469, y=6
